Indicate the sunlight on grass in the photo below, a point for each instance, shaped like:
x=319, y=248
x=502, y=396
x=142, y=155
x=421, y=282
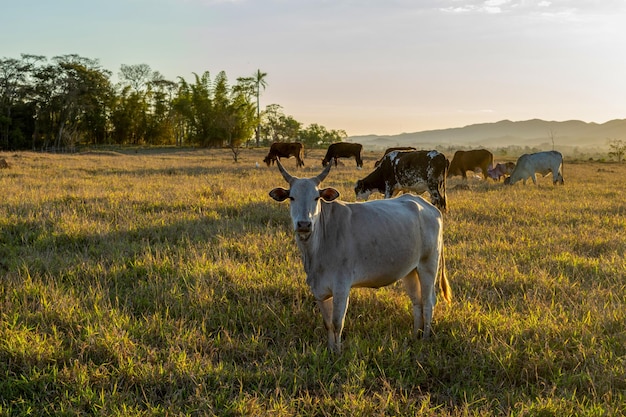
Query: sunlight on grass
x=168, y=283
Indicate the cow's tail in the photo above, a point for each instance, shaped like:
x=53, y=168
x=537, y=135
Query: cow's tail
x=444, y=285
x=445, y=176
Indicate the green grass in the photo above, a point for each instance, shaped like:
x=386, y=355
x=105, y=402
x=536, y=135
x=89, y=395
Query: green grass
x=168, y=283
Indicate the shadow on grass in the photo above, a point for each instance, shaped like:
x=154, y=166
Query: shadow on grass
x=244, y=341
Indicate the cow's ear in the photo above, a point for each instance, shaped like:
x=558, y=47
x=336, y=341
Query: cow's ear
x=329, y=194
x=279, y=194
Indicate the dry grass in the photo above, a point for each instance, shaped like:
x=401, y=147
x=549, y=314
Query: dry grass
x=166, y=282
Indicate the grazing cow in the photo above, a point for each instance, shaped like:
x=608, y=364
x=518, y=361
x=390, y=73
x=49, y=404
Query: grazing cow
x=501, y=170
x=397, y=148
x=540, y=162
x=372, y=244
x=416, y=171
x=285, y=150
x=473, y=160
x=344, y=150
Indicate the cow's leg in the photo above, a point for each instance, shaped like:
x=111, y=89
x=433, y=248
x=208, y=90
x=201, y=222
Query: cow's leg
x=326, y=306
x=435, y=196
x=334, y=314
x=340, y=306
x=534, y=178
x=427, y=274
x=413, y=289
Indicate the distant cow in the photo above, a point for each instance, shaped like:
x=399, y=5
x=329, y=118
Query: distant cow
x=344, y=150
x=540, y=162
x=397, y=148
x=372, y=244
x=501, y=170
x=464, y=161
x=416, y=171
x=285, y=150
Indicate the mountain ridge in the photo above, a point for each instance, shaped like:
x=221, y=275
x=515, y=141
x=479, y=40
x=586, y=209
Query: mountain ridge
x=533, y=133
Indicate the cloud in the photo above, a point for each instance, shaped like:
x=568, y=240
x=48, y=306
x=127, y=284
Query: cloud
x=540, y=7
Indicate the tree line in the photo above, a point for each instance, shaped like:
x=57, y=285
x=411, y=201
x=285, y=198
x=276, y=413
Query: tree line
x=70, y=101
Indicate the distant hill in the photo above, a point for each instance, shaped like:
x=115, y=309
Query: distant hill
x=569, y=136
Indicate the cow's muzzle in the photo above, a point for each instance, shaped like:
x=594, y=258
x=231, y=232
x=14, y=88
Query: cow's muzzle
x=303, y=229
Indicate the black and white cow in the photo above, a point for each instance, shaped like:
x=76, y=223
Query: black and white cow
x=395, y=148
x=416, y=171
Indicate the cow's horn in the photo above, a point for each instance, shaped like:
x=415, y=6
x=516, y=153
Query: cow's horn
x=323, y=174
x=283, y=171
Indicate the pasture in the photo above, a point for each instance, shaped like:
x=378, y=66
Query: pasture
x=167, y=282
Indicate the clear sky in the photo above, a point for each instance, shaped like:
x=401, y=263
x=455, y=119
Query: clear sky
x=365, y=66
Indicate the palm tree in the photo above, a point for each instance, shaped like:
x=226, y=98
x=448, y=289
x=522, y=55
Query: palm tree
x=259, y=81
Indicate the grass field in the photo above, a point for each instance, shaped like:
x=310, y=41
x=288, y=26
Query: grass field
x=167, y=282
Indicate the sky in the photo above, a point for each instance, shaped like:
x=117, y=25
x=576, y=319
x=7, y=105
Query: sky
x=379, y=67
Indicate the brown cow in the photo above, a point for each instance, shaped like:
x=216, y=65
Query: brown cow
x=464, y=161
x=344, y=150
x=285, y=150
x=397, y=148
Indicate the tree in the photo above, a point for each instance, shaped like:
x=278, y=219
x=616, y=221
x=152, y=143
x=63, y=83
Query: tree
x=618, y=149
x=137, y=76
x=254, y=85
x=234, y=114
x=277, y=126
x=128, y=117
x=53, y=105
x=15, y=108
x=162, y=120
x=72, y=96
x=144, y=112
x=315, y=136
x=195, y=106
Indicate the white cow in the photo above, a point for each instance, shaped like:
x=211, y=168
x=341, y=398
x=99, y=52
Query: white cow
x=371, y=244
x=541, y=162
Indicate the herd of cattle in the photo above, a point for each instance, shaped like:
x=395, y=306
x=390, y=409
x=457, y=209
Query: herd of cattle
x=406, y=169
x=373, y=244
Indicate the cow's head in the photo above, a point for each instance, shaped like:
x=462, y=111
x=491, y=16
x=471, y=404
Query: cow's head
x=304, y=199
x=361, y=191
